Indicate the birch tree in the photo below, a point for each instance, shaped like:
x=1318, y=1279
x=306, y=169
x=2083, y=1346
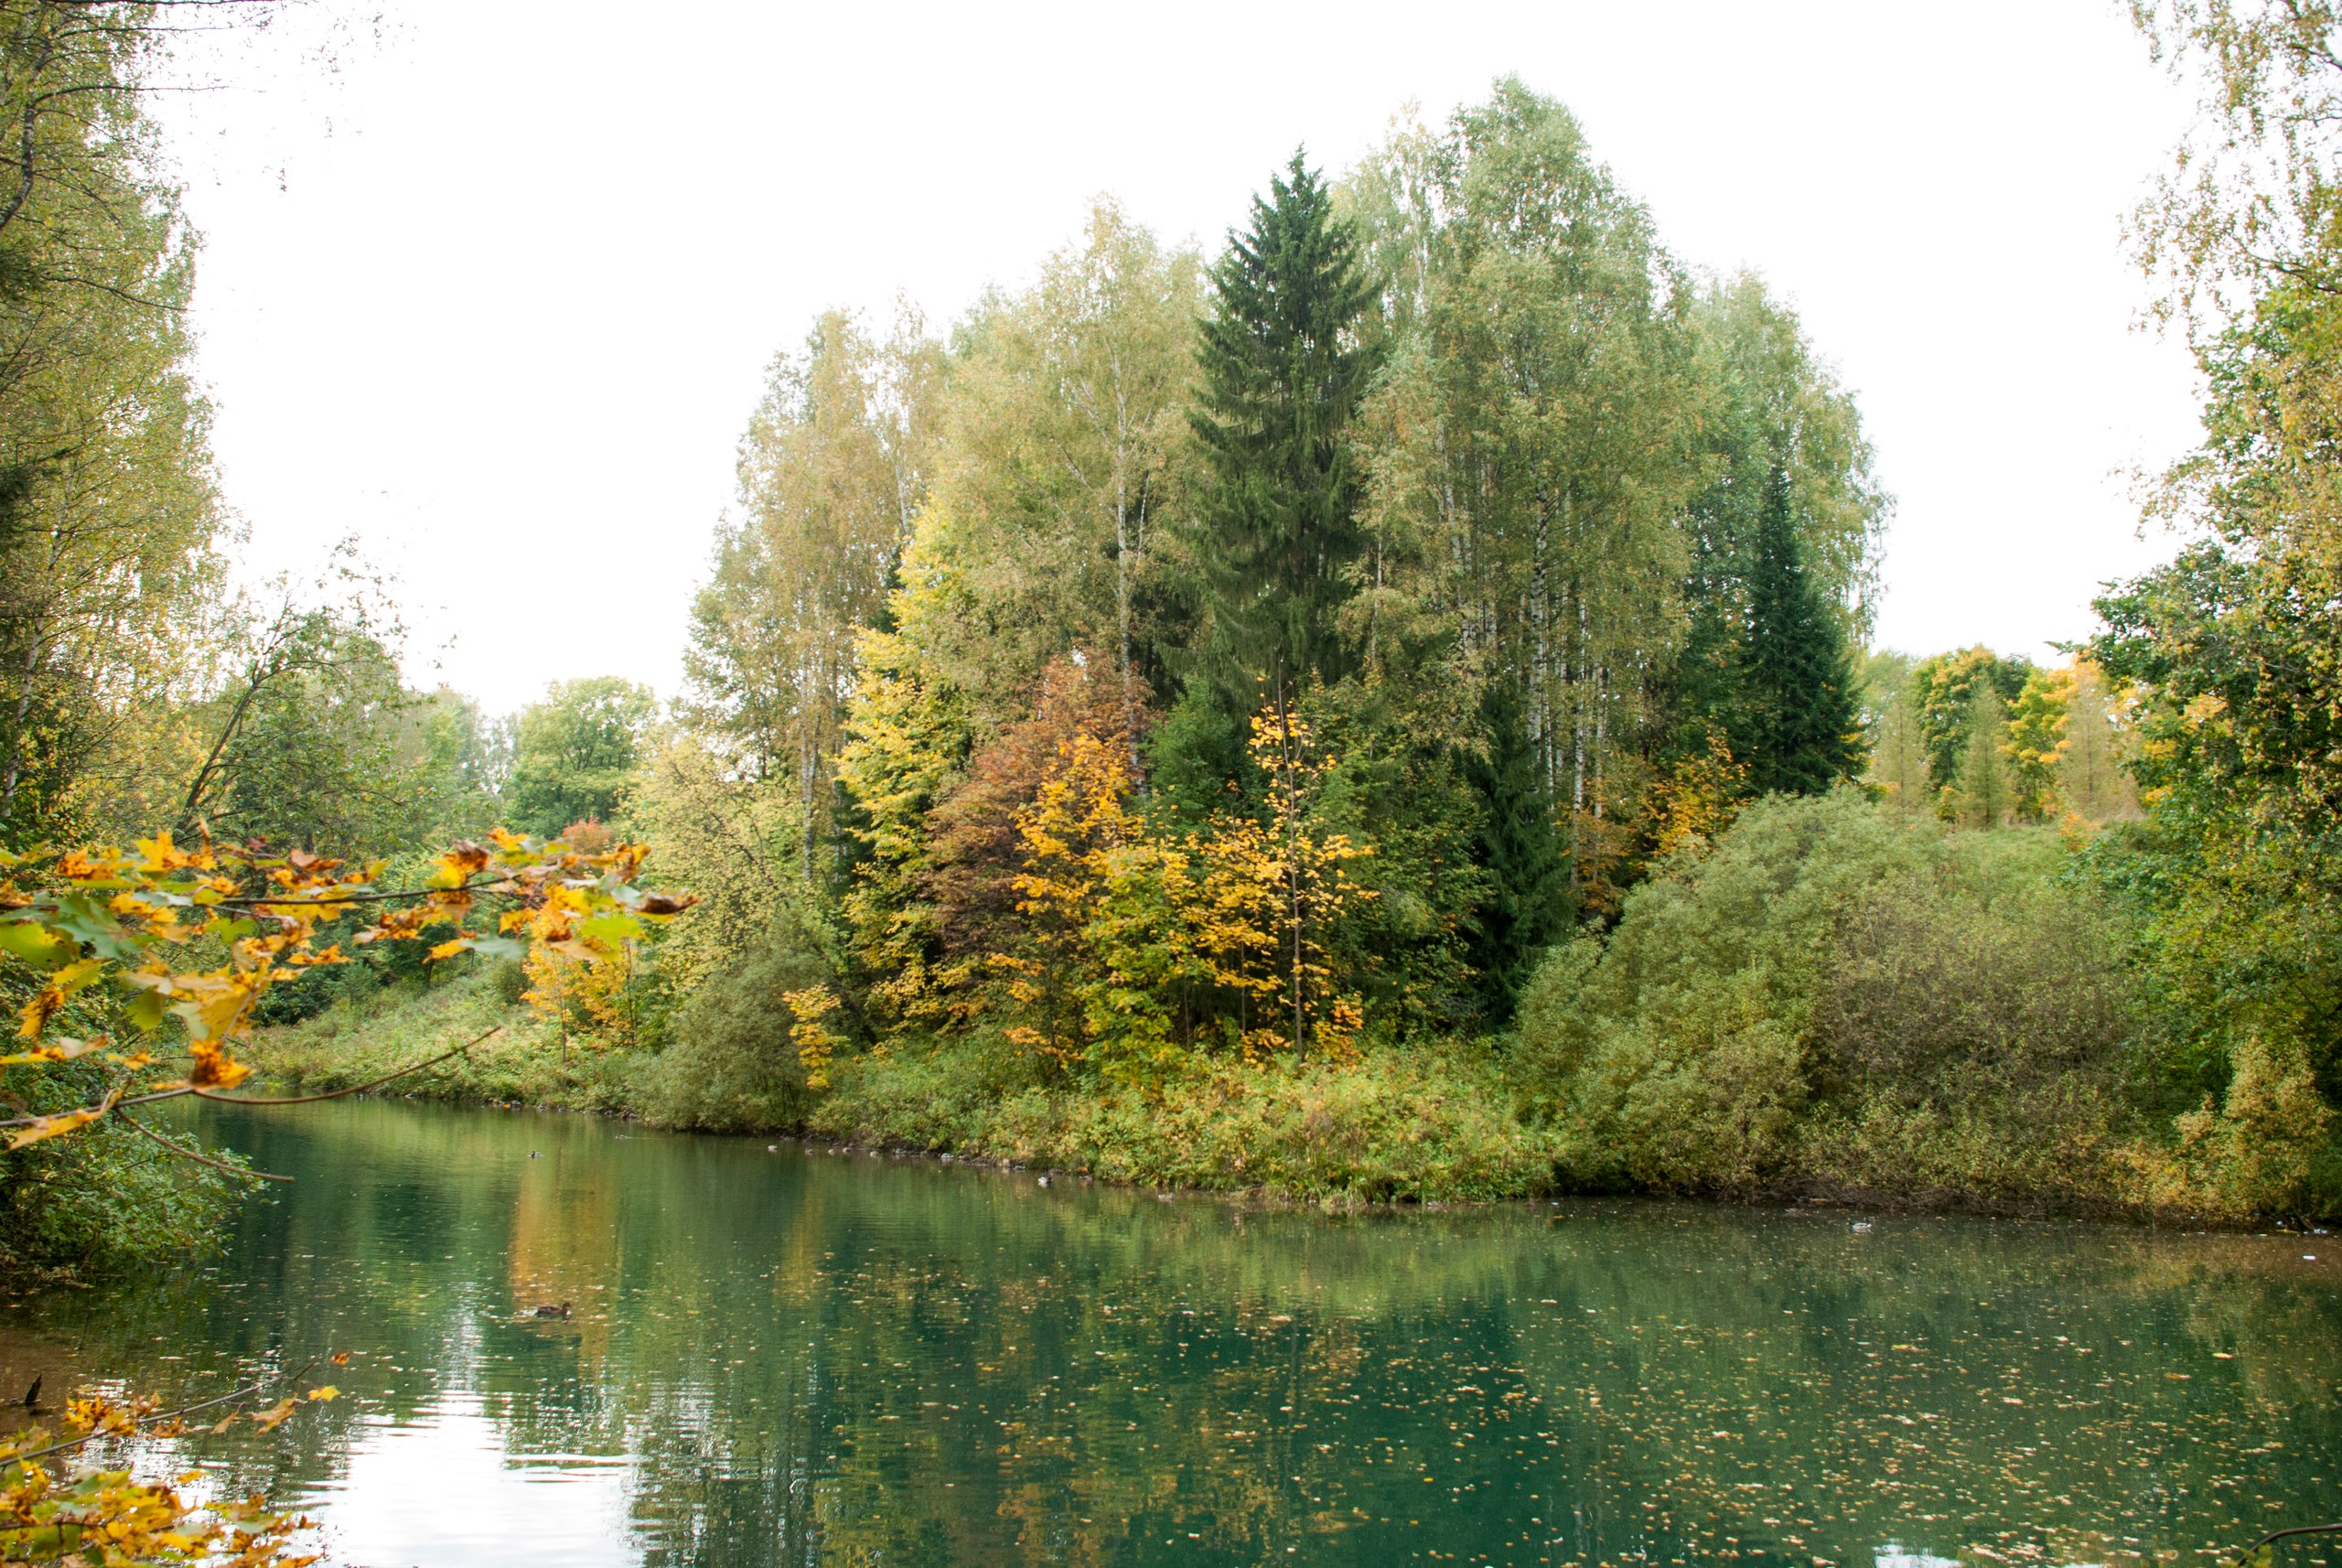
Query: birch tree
x=833, y=473
x=1058, y=459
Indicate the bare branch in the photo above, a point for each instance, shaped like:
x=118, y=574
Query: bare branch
x=196, y=1154
x=162, y=1415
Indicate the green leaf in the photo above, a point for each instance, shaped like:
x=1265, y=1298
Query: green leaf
x=147, y=1010
x=85, y=918
x=36, y=944
x=610, y=928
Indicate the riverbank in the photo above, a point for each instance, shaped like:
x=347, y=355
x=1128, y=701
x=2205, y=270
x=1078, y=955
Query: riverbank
x=1382, y=1129
x=967, y=1356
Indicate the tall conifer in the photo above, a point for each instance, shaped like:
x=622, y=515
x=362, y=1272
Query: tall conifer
x=1284, y=372
x=1799, y=730
x=1519, y=850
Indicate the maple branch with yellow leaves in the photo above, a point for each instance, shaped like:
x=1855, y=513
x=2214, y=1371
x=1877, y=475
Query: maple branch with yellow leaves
x=106, y=916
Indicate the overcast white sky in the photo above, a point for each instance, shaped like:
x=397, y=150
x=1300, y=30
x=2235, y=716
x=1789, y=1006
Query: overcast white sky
x=495, y=290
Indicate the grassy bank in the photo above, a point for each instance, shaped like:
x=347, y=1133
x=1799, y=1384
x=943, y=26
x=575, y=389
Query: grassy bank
x=527, y=1063
x=1834, y=1001
x=1381, y=1129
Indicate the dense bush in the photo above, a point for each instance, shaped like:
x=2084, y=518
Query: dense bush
x=106, y=1199
x=728, y=1065
x=1836, y=995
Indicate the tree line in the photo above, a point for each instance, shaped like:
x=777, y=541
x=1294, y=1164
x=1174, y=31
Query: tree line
x=1350, y=663
x=1262, y=646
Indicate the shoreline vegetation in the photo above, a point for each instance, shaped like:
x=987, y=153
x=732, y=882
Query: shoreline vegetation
x=1388, y=709
x=1895, y=1114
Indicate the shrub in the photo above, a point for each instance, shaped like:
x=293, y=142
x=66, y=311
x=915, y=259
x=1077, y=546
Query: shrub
x=2264, y=1149
x=1839, y=996
x=728, y=1065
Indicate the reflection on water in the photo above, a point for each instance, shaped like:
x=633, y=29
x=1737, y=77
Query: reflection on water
x=782, y=1355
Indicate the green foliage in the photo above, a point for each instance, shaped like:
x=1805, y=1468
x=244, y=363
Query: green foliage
x=831, y=468
x=574, y=753
x=1783, y=564
x=1387, y=1128
x=729, y=1065
x=530, y=1063
x=334, y=754
x=1795, y=721
x=107, y=1203
x=104, y=432
x=1947, y=709
x=2232, y=652
x=1981, y=794
x=1898, y=763
x=1283, y=373
x=1836, y=995
x=1526, y=905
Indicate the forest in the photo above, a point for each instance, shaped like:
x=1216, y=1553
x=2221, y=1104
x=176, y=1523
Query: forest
x=1381, y=710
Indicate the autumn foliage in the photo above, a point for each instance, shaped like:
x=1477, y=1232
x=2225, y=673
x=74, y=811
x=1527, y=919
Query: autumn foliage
x=140, y=925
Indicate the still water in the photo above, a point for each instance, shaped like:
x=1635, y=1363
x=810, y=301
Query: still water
x=788, y=1355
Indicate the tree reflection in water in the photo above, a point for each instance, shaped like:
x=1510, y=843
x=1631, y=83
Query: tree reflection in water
x=797, y=1355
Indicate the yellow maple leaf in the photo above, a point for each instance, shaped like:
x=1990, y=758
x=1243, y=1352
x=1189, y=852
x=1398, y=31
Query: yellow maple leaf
x=52, y=997
x=49, y=1127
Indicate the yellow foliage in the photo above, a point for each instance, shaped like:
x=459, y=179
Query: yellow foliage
x=102, y=915
x=1139, y=944
x=50, y=1512
x=1698, y=800
x=814, y=1042
x=585, y=990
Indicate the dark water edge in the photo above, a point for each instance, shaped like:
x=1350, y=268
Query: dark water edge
x=782, y=1352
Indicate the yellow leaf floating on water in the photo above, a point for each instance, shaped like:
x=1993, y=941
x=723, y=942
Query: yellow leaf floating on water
x=324, y=1391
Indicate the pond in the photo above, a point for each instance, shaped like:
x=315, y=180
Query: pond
x=778, y=1353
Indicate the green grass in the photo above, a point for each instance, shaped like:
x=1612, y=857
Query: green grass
x=526, y=1064
x=1382, y=1129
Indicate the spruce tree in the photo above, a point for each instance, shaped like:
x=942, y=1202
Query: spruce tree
x=1283, y=371
x=1984, y=795
x=1799, y=730
x=1521, y=852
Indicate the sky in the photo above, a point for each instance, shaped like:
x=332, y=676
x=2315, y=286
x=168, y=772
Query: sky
x=492, y=287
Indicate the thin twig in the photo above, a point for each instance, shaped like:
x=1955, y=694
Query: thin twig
x=31, y=1118
x=198, y=1157
x=183, y=1090
x=93, y=1436
x=2276, y=1535
x=353, y=1089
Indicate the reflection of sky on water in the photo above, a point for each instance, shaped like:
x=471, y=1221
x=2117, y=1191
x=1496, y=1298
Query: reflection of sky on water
x=440, y=1488
x=1893, y=1556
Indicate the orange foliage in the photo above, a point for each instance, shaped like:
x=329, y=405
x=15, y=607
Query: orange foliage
x=1136, y=945
x=119, y=916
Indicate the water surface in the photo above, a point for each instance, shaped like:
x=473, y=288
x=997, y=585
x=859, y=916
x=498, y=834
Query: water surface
x=788, y=1355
